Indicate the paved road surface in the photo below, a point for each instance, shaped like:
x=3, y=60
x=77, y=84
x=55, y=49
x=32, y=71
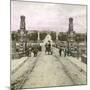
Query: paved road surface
x=52, y=70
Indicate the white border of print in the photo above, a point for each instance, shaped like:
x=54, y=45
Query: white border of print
x=61, y=1
x=5, y=44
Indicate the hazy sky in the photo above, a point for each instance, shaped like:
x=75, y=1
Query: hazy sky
x=44, y=16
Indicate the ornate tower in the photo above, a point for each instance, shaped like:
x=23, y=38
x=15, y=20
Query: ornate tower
x=22, y=36
x=70, y=34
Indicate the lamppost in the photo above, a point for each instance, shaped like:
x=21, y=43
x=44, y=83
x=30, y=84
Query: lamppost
x=77, y=41
x=68, y=43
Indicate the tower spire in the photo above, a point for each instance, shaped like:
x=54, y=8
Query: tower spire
x=22, y=23
x=70, y=24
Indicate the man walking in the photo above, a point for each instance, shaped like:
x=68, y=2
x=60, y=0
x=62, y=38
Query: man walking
x=60, y=51
x=65, y=52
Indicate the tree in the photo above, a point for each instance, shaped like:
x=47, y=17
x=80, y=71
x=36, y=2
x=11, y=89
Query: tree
x=14, y=36
x=43, y=35
x=80, y=37
x=62, y=36
x=34, y=36
x=53, y=35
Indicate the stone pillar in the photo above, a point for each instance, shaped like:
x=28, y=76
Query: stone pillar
x=38, y=35
x=56, y=35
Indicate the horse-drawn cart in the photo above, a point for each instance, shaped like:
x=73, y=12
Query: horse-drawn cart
x=48, y=49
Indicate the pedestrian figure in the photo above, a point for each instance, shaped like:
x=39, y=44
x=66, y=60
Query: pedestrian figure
x=49, y=47
x=46, y=47
x=65, y=52
x=30, y=49
x=35, y=51
x=77, y=53
x=60, y=51
x=27, y=52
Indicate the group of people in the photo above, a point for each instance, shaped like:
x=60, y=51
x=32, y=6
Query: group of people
x=64, y=50
x=34, y=50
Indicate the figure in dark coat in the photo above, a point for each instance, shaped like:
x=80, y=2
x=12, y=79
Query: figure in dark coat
x=65, y=52
x=60, y=51
x=35, y=51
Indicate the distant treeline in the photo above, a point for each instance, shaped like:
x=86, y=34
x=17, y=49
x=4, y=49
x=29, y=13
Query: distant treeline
x=62, y=36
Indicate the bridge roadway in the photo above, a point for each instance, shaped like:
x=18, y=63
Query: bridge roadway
x=53, y=70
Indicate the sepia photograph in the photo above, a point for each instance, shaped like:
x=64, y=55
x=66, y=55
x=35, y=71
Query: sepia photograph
x=48, y=45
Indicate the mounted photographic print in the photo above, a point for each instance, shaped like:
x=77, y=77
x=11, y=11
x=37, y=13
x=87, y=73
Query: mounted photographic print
x=48, y=45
